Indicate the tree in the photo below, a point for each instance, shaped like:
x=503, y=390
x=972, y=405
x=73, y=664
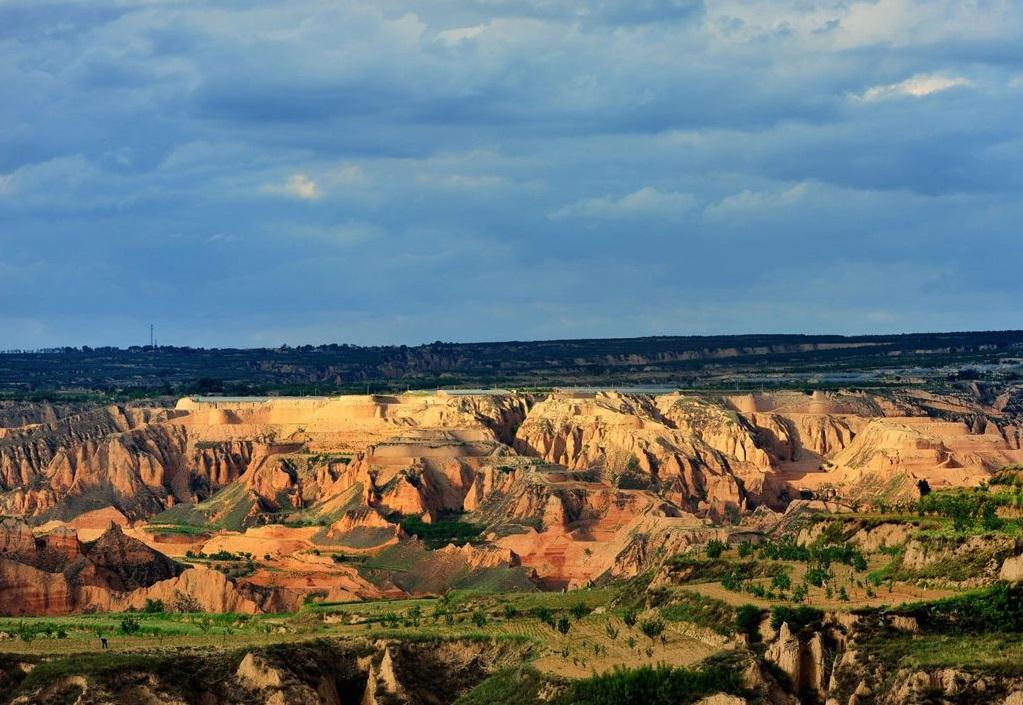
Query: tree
x=544, y=615
x=130, y=625
x=923, y=487
x=185, y=603
x=781, y=581
x=747, y=619
x=652, y=627
x=715, y=548
x=564, y=625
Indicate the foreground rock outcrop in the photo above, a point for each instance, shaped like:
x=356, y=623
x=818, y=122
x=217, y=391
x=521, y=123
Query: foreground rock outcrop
x=324, y=673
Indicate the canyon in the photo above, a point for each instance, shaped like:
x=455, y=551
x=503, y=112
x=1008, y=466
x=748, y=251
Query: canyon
x=559, y=489
x=793, y=546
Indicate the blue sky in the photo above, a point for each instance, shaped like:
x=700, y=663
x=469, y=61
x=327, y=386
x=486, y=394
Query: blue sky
x=399, y=172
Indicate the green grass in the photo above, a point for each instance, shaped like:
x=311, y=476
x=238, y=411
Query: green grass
x=653, y=685
x=509, y=686
x=994, y=654
x=227, y=509
x=186, y=529
x=700, y=610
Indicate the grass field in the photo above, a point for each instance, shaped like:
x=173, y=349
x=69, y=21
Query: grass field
x=595, y=638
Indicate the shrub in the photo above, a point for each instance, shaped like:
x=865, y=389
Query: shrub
x=652, y=627
x=130, y=625
x=185, y=603
x=797, y=618
x=564, y=625
x=153, y=606
x=715, y=548
x=579, y=610
x=817, y=575
x=747, y=619
x=544, y=615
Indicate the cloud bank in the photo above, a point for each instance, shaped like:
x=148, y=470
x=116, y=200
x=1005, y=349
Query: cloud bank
x=398, y=172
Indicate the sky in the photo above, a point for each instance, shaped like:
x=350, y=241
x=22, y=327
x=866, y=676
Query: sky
x=311, y=171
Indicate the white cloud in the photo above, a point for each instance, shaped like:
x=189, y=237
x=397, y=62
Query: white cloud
x=297, y=186
x=646, y=202
x=748, y=200
x=460, y=34
x=918, y=86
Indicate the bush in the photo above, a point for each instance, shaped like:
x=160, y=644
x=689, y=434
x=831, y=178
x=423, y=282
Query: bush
x=564, y=625
x=185, y=603
x=747, y=620
x=817, y=575
x=479, y=619
x=797, y=618
x=715, y=548
x=579, y=610
x=652, y=627
x=130, y=625
x=544, y=615
x=153, y=606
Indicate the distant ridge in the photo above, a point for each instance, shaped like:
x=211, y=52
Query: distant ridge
x=775, y=359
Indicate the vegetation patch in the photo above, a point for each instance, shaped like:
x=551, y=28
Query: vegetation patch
x=442, y=532
x=509, y=686
x=654, y=685
x=702, y=611
x=998, y=608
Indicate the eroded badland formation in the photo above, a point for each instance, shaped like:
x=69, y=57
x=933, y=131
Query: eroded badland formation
x=263, y=506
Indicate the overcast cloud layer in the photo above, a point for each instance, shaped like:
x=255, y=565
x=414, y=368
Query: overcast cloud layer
x=400, y=172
